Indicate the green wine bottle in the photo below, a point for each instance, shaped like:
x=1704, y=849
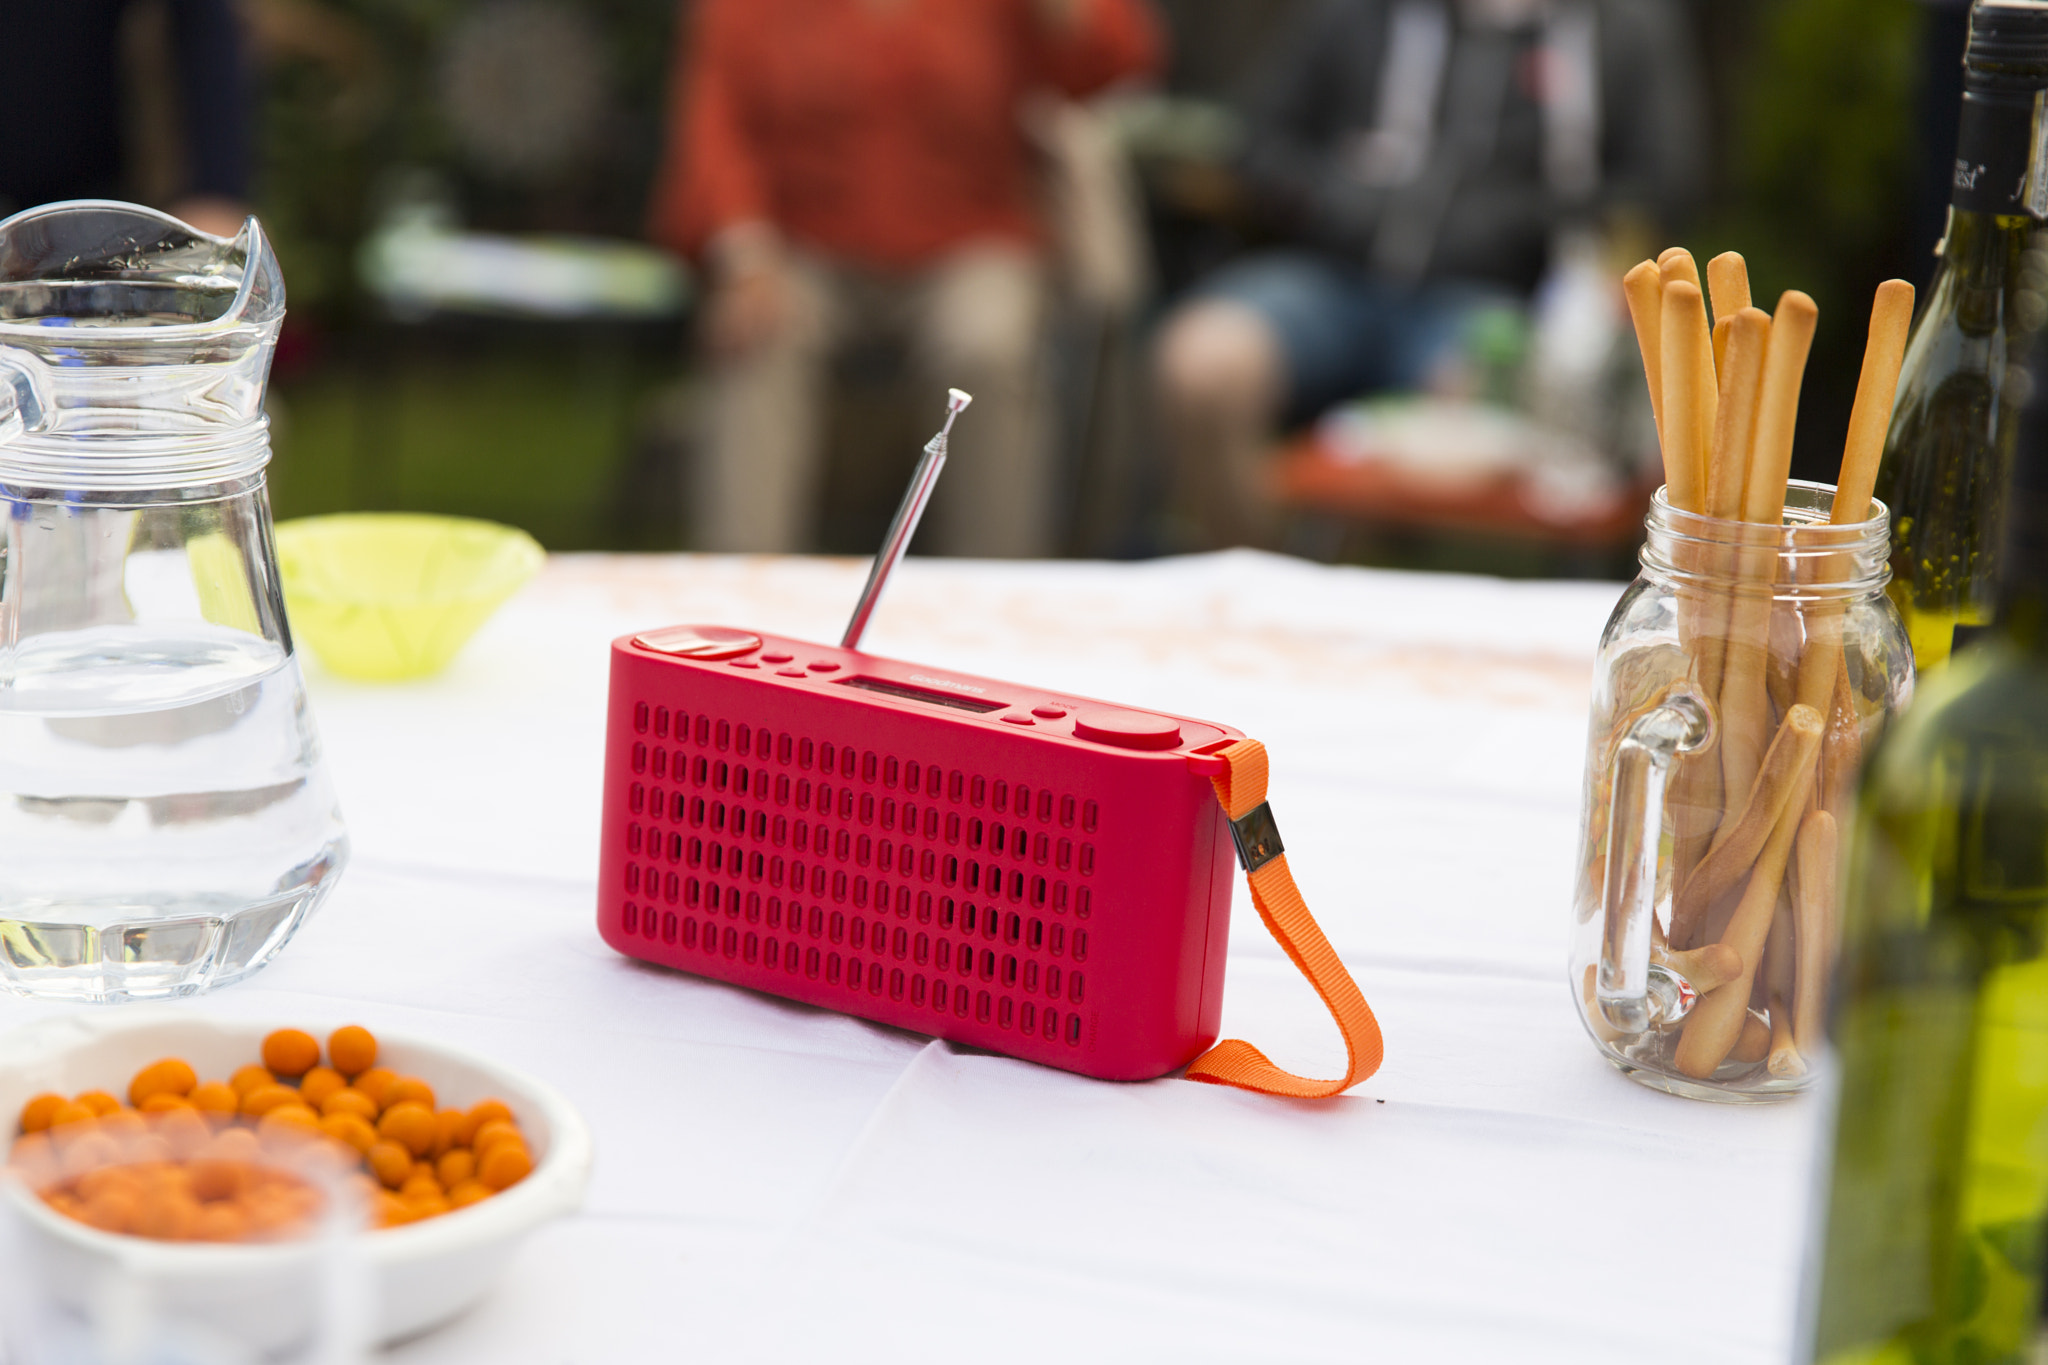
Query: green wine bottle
x=1932, y=1253
x=1950, y=442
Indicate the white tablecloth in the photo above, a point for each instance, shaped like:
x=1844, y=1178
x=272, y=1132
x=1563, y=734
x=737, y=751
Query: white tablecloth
x=777, y=1183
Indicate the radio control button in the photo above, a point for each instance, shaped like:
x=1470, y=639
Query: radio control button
x=744, y=663
x=1127, y=729
x=1014, y=719
x=699, y=642
x=776, y=658
x=1049, y=712
x=791, y=673
x=823, y=666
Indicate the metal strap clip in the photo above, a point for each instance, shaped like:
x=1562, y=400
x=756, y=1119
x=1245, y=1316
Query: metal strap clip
x=1257, y=838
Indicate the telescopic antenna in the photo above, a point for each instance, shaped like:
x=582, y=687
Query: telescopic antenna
x=905, y=525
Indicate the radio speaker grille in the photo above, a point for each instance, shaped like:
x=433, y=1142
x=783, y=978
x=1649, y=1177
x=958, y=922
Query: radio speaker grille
x=867, y=875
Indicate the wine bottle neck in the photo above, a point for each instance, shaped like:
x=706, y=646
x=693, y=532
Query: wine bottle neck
x=1996, y=169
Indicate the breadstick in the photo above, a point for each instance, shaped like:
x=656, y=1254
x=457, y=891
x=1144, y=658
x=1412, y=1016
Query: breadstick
x=1704, y=969
x=1813, y=928
x=1776, y=982
x=1675, y=266
x=1754, y=1043
x=1714, y=1025
x=1645, y=289
x=1742, y=373
x=1721, y=326
x=1728, y=284
x=1777, y=411
x=1786, y=769
x=1589, y=997
x=1676, y=263
x=1891, y=317
x=1745, y=707
x=1688, y=404
x=1785, y=1059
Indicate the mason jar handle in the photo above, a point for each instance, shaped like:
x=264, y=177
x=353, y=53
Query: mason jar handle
x=1630, y=994
x=24, y=404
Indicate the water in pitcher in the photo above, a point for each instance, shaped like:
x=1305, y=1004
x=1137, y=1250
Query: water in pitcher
x=167, y=821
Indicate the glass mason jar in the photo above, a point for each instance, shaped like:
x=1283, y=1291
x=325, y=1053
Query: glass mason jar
x=166, y=822
x=1739, y=681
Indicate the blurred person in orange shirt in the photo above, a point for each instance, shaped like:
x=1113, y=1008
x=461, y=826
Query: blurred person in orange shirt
x=847, y=166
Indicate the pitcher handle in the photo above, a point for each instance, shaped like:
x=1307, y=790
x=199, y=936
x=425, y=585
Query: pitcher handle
x=1630, y=994
x=24, y=400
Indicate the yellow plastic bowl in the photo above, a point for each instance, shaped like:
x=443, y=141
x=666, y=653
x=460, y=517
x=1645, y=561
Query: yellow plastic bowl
x=395, y=595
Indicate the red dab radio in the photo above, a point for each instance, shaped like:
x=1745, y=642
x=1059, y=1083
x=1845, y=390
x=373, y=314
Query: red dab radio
x=1037, y=874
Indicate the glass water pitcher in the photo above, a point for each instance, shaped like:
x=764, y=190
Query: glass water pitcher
x=166, y=821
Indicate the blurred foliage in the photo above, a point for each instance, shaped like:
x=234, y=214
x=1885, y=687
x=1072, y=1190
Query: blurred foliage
x=1822, y=139
x=354, y=110
x=541, y=425
x=1818, y=157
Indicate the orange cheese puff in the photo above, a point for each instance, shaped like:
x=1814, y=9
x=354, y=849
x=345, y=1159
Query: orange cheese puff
x=216, y=1099
x=70, y=1119
x=409, y=1088
x=389, y=1211
x=36, y=1114
x=149, y=1147
x=123, y=1125
x=171, y=1076
x=233, y=1144
x=167, y=1213
x=497, y=1130
x=389, y=1162
x=409, y=1124
x=34, y=1156
x=183, y=1130
x=352, y=1049
x=420, y=1184
x=505, y=1165
x=481, y=1113
x=95, y=1183
x=447, y=1126
x=291, y=1052
x=375, y=1082
x=260, y=1101
x=214, y=1178
x=469, y=1192
x=163, y=1102
x=428, y=1206
x=114, y=1209
x=249, y=1078
x=220, y=1222
x=351, y=1101
x=316, y=1085
x=89, y=1149
x=99, y=1101
x=456, y=1166
x=271, y=1209
x=287, y=1121
x=353, y=1129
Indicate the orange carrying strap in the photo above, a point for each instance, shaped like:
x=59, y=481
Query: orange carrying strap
x=1241, y=788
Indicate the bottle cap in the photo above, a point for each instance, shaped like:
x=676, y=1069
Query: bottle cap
x=2008, y=37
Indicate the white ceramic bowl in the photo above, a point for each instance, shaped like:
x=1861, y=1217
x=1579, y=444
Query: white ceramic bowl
x=423, y=1273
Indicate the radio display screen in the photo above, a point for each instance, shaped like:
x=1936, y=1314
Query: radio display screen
x=951, y=699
